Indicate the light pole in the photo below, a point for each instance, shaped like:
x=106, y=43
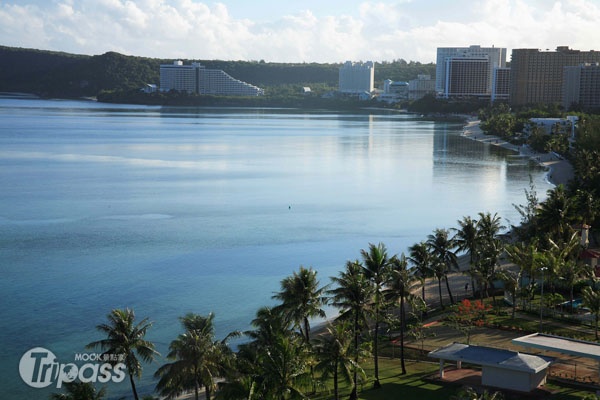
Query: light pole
x=542, y=298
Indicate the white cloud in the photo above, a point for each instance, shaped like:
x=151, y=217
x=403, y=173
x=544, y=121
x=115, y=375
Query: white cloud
x=381, y=30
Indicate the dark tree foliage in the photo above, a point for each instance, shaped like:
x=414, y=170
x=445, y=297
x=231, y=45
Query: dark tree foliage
x=59, y=74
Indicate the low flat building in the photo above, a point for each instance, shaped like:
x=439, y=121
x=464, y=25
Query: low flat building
x=503, y=369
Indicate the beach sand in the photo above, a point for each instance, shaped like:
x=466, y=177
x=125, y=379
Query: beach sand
x=560, y=171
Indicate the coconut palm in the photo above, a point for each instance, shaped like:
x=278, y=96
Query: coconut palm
x=555, y=214
x=376, y=268
x=398, y=289
x=466, y=238
x=197, y=359
x=421, y=259
x=591, y=299
x=526, y=257
x=126, y=338
x=441, y=246
x=79, y=391
x=283, y=368
x=484, y=269
x=488, y=226
x=247, y=379
x=353, y=294
x=570, y=268
x=269, y=325
x=302, y=299
x=468, y=393
x=334, y=354
x=512, y=281
x=439, y=270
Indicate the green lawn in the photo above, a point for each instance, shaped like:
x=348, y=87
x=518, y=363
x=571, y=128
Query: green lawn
x=414, y=385
x=500, y=329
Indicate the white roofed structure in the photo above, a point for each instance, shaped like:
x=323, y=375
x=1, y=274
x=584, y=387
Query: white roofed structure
x=504, y=369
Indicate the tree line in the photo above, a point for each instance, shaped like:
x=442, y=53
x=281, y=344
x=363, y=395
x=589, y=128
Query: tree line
x=59, y=74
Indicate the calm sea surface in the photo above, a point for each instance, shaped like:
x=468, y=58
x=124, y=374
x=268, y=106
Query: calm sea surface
x=176, y=210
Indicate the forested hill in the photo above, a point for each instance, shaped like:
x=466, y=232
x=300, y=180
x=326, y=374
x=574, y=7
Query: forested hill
x=59, y=74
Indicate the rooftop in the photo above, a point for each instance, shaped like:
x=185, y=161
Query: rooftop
x=488, y=356
x=560, y=344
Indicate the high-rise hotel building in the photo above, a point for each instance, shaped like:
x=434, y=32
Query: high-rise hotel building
x=196, y=78
x=355, y=78
x=536, y=77
x=467, y=71
x=581, y=86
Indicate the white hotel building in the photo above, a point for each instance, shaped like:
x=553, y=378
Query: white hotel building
x=196, y=78
x=357, y=78
x=467, y=71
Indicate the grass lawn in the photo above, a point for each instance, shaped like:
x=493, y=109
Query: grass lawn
x=395, y=386
x=499, y=332
x=414, y=385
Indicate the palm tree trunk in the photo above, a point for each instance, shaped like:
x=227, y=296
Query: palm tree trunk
x=207, y=392
x=440, y=292
x=354, y=393
x=402, y=324
x=135, y=395
x=448, y=288
x=376, y=383
x=336, y=395
x=571, y=295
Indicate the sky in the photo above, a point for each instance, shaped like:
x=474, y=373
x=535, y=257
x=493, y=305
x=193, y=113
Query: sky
x=290, y=31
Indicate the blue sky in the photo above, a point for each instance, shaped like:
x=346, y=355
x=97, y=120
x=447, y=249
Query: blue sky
x=296, y=30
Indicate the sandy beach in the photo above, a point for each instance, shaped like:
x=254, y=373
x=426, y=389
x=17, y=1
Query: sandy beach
x=560, y=171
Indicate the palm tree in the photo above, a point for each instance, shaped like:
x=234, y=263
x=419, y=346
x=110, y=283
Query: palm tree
x=269, y=325
x=526, y=257
x=333, y=350
x=570, y=268
x=376, y=268
x=125, y=338
x=302, y=299
x=79, y=391
x=555, y=214
x=197, y=359
x=283, y=367
x=248, y=377
x=591, y=299
x=398, y=289
x=488, y=226
x=439, y=271
x=441, y=246
x=468, y=393
x=512, y=281
x=466, y=239
x=352, y=295
x=421, y=259
x=485, y=267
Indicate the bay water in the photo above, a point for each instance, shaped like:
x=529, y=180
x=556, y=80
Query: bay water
x=176, y=210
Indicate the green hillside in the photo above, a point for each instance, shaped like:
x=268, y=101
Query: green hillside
x=56, y=74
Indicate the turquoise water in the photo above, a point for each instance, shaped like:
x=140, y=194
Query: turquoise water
x=176, y=210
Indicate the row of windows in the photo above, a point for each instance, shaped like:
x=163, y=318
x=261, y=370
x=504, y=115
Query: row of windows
x=197, y=79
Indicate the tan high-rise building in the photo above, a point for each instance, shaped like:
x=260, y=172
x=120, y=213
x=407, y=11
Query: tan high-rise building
x=536, y=77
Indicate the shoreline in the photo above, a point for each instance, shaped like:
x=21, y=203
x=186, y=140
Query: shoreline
x=559, y=170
